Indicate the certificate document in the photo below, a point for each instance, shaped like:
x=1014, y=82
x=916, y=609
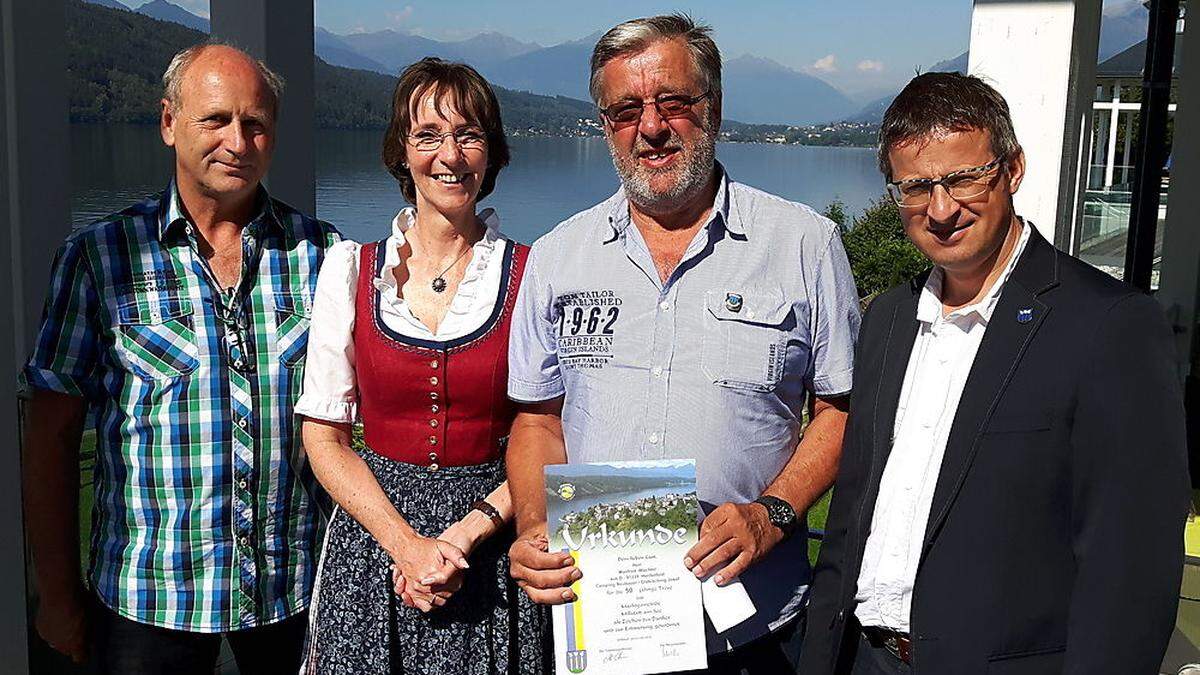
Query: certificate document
x=628, y=525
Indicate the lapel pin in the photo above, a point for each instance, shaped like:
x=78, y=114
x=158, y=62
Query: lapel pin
x=733, y=302
x=1025, y=315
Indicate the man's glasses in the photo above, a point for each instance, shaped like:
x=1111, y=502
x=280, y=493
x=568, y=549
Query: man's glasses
x=467, y=138
x=235, y=336
x=669, y=106
x=962, y=185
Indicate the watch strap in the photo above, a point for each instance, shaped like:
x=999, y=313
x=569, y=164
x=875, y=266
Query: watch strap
x=781, y=513
x=490, y=511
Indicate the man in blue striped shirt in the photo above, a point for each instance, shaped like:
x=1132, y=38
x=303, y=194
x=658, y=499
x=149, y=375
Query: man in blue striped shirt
x=180, y=324
x=687, y=316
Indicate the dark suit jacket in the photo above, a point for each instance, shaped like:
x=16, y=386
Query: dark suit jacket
x=1055, y=543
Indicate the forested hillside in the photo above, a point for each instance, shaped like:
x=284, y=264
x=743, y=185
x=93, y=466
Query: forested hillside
x=116, y=58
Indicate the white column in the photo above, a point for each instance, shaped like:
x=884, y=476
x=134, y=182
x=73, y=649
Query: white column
x=280, y=32
x=1179, y=280
x=1041, y=55
x=1111, y=163
x=36, y=216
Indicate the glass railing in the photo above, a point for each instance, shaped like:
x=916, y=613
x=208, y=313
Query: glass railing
x=1103, y=229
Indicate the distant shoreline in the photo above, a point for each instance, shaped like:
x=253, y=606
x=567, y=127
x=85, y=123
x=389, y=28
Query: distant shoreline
x=511, y=132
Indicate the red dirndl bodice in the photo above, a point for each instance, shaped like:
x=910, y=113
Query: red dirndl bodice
x=434, y=403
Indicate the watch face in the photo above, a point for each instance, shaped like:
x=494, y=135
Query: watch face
x=781, y=515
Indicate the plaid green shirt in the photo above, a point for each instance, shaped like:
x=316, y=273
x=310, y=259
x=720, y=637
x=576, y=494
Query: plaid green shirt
x=202, y=520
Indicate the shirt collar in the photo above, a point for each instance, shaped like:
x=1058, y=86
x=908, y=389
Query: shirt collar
x=929, y=305
x=404, y=221
x=722, y=209
x=172, y=216
x=407, y=217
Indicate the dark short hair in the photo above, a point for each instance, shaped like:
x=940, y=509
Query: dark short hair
x=938, y=102
x=469, y=94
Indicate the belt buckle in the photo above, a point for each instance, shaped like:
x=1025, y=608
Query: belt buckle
x=897, y=644
x=892, y=644
x=900, y=647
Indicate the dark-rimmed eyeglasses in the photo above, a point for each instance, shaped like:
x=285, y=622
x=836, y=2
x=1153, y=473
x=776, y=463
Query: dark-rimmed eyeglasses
x=467, y=138
x=669, y=106
x=235, y=332
x=962, y=185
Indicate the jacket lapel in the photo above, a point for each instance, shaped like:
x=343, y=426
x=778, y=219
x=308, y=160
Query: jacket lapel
x=901, y=334
x=1004, y=342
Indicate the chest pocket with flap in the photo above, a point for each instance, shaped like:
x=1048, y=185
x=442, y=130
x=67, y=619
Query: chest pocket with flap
x=745, y=338
x=156, y=338
x=292, y=317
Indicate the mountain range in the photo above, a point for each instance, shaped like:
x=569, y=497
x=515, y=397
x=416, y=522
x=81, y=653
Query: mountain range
x=757, y=90
x=761, y=91
x=1119, y=30
x=167, y=11
x=392, y=51
x=115, y=61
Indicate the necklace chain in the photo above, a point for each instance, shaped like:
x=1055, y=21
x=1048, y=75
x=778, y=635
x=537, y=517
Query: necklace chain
x=438, y=284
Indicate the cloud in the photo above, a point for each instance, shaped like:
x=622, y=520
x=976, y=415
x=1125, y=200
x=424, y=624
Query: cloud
x=825, y=64
x=869, y=66
x=400, y=18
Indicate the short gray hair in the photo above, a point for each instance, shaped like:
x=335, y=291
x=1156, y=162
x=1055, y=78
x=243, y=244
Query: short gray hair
x=636, y=35
x=172, y=78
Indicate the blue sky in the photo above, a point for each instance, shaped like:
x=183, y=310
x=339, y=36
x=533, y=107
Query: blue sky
x=863, y=47
x=850, y=43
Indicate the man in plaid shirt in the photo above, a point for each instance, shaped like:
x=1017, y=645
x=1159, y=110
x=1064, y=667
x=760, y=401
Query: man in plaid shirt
x=181, y=324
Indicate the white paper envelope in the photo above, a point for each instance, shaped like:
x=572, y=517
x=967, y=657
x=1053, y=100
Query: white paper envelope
x=727, y=605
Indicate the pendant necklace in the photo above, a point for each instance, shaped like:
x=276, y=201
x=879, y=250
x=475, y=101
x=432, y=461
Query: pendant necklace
x=439, y=282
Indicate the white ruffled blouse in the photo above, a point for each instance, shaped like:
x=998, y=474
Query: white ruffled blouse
x=330, y=389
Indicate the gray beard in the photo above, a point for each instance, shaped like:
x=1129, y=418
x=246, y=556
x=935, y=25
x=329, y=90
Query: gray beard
x=698, y=161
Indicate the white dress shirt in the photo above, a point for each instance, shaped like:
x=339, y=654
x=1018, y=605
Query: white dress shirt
x=330, y=387
x=941, y=359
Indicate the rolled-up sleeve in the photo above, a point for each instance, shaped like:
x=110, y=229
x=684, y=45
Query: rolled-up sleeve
x=66, y=355
x=835, y=321
x=533, y=369
x=330, y=389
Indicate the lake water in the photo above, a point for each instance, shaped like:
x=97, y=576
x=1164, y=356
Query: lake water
x=548, y=180
x=583, y=503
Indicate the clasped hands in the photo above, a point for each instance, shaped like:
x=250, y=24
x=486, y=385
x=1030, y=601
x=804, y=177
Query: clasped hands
x=427, y=571
x=732, y=538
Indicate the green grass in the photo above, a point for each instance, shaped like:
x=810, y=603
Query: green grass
x=816, y=521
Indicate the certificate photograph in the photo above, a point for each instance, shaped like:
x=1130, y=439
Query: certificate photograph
x=628, y=526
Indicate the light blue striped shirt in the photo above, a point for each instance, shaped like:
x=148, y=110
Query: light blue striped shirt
x=715, y=364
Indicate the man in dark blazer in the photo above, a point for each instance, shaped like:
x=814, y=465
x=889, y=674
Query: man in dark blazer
x=1013, y=481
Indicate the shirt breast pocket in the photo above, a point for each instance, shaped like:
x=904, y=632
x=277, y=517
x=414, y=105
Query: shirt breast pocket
x=745, y=338
x=292, y=316
x=156, y=339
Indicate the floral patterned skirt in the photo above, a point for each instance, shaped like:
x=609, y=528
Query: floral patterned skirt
x=358, y=625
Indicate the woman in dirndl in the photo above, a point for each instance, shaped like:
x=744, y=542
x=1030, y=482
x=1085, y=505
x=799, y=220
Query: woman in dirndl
x=410, y=336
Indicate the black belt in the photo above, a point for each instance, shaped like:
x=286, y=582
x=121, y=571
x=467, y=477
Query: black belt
x=897, y=643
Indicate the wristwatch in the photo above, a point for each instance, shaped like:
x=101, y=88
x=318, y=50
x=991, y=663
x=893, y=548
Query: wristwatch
x=780, y=513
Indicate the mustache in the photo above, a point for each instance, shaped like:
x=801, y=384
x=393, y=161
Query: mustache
x=672, y=142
